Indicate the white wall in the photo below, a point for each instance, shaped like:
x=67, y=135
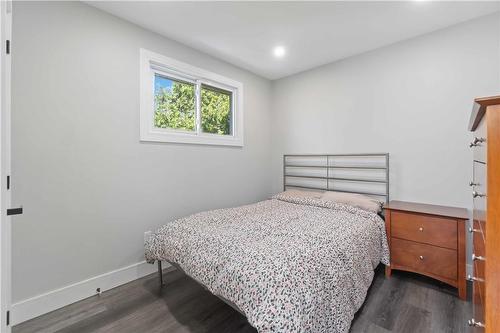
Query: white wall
x=411, y=99
x=89, y=187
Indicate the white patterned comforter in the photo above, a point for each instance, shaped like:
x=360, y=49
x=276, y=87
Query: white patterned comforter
x=290, y=264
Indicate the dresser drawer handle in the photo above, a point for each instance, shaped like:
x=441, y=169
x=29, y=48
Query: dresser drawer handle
x=474, y=257
x=473, y=184
x=476, y=142
x=473, y=278
x=421, y=229
x=471, y=230
x=477, y=194
x=475, y=323
x=421, y=257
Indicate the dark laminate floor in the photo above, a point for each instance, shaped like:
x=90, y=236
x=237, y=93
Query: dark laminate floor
x=404, y=303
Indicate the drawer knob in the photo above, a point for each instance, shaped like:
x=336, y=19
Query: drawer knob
x=476, y=142
x=477, y=194
x=475, y=323
x=473, y=184
x=473, y=278
x=421, y=229
x=421, y=257
x=471, y=230
x=474, y=257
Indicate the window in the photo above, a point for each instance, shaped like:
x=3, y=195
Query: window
x=183, y=103
x=216, y=110
x=174, y=104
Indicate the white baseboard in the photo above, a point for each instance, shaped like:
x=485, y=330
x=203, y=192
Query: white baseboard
x=55, y=299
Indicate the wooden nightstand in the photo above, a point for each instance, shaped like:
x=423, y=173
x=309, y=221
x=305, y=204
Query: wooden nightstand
x=429, y=240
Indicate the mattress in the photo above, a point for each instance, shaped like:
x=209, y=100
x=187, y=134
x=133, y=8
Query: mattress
x=289, y=264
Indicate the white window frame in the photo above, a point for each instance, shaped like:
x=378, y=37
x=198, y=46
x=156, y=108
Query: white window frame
x=151, y=63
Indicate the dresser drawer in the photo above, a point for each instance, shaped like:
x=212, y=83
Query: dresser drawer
x=480, y=148
x=478, y=238
x=431, y=230
x=479, y=218
x=478, y=271
x=479, y=175
x=423, y=258
x=480, y=187
x=478, y=292
x=478, y=301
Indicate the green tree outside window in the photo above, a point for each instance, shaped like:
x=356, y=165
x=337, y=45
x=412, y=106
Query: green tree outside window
x=175, y=107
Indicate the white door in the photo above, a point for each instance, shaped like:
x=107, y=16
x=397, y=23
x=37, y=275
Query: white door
x=5, y=227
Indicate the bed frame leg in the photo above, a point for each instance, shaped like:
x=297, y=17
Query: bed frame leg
x=160, y=273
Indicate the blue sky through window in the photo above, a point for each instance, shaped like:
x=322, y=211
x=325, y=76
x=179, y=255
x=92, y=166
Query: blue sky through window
x=162, y=82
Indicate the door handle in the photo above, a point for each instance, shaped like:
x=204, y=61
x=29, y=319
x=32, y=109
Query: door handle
x=15, y=211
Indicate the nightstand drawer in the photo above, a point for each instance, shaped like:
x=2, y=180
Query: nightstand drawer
x=423, y=258
x=431, y=230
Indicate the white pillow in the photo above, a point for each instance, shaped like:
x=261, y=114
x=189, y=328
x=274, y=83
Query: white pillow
x=353, y=199
x=302, y=194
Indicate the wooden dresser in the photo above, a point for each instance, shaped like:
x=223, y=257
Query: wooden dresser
x=485, y=123
x=429, y=240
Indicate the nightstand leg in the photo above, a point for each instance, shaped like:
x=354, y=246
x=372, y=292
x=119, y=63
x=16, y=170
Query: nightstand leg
x=160, y=273
x=388, y=271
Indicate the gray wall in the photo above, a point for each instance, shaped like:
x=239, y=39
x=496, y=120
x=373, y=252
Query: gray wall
x=89, y=187
x=412, y=99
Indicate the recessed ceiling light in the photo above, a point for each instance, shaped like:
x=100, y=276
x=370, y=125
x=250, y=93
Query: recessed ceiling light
x=279, y=51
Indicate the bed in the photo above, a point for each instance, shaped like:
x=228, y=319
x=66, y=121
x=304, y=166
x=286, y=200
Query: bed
x=289, y=263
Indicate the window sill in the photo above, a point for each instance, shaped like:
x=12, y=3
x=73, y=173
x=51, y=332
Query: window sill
x=188, y=138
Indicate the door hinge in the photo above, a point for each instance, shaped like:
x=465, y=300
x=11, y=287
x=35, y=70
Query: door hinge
x=8, y=182
x=7, y=319
x=7, y=46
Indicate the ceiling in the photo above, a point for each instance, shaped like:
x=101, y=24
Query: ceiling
x=313, y=33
